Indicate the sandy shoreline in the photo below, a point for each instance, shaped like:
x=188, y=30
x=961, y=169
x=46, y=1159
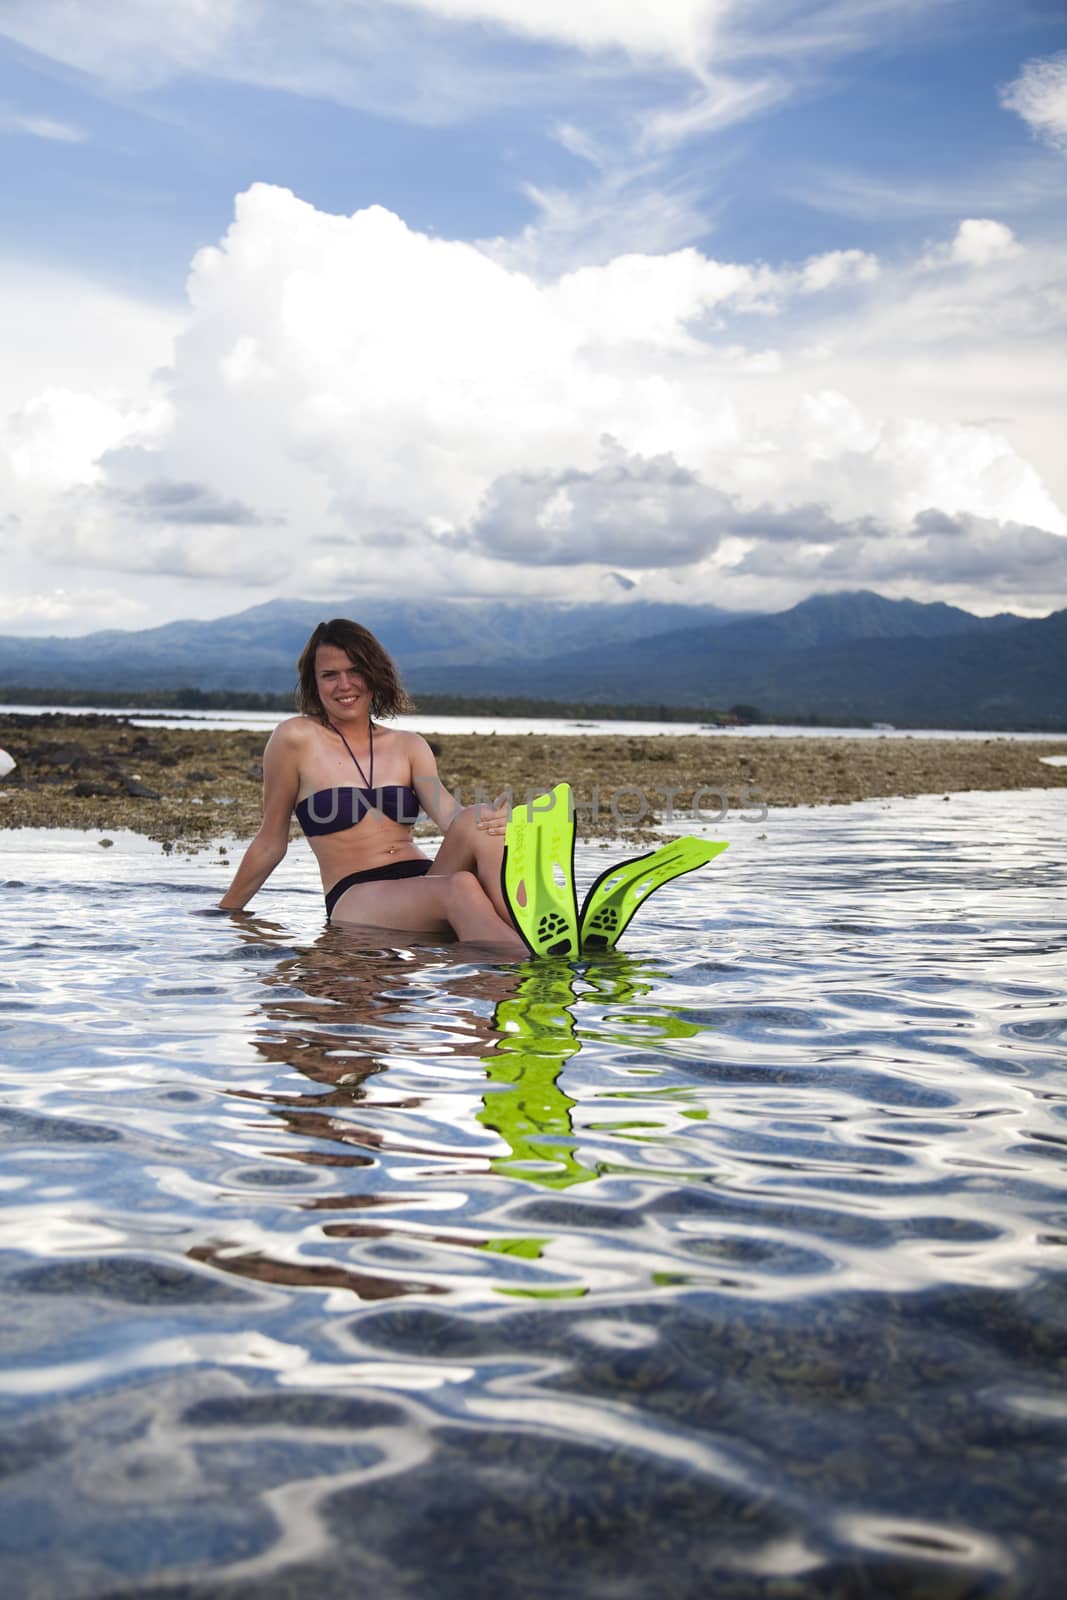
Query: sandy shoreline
x=188, y=787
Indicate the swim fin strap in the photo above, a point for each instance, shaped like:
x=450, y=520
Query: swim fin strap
x=537, y=874
x=620, y=890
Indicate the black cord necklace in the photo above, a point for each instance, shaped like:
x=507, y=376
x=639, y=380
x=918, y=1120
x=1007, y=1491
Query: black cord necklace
x=368, y=783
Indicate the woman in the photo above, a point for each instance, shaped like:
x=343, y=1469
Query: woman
x=357, y=788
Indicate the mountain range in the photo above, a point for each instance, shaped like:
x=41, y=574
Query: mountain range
x=257, y=649
x=846, y=657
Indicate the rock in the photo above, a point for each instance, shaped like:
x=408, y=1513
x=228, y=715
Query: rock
x=139, y=791
x=61, y=755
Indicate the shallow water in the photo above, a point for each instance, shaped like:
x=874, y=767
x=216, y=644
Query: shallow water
x=729, y=1265
x=434, y=722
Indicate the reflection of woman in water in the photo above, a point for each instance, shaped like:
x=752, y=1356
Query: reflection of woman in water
x=372, y=871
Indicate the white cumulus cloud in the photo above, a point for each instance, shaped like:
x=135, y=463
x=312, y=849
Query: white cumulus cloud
x=78, y=379
x=353, y=406
x=979, y=242
x=1039, y=95
x=57, y=438
x=838, y=267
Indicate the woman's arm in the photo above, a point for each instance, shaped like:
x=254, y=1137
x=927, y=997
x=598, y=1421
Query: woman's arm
x=281, y=785
x=435, y=799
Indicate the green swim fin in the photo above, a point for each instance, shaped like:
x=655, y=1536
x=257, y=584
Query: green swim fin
x=618, y=892
x=537, y=874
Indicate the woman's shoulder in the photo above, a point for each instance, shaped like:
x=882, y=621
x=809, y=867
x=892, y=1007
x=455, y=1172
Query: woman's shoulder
x=299, y=725
x=295, y=733
x=405, y=739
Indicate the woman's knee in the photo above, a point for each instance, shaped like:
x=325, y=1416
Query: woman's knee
x=463, y=888
x=462, y=825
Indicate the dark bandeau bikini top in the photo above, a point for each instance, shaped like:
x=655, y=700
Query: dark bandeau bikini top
x=333, y=810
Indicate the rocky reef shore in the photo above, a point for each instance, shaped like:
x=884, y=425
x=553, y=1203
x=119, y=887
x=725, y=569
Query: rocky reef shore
x=188, y=786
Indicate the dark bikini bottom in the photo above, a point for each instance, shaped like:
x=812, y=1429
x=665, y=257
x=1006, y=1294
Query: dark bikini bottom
x=395, y=869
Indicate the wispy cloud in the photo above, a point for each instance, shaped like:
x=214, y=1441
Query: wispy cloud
x=21, y=122
x=594, y=222
x=720, y=102
x=1013, y=186
x=638, y=81
x=427, y=60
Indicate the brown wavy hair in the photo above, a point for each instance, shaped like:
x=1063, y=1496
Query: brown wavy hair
x=388, y=695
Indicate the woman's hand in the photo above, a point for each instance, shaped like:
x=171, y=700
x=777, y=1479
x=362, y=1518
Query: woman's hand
x=493, y=819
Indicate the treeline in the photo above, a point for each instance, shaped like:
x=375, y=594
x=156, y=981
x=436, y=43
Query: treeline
x=447, y=705
x=148, y=699
x=454, y=705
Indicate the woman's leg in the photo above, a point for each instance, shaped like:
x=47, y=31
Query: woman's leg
x=433, y=904
x=468, y=848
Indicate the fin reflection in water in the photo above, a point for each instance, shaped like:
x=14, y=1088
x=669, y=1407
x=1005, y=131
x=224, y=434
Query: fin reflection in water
x=385, y=1035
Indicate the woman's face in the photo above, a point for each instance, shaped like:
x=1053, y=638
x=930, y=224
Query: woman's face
x=342, y=687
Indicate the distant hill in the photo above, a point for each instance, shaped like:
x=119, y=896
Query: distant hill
x=257, y=649
x=846, y=657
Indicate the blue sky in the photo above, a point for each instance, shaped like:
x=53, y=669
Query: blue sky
x=739, y=300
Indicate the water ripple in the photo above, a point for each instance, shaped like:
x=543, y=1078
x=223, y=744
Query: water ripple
x=732, y=1264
